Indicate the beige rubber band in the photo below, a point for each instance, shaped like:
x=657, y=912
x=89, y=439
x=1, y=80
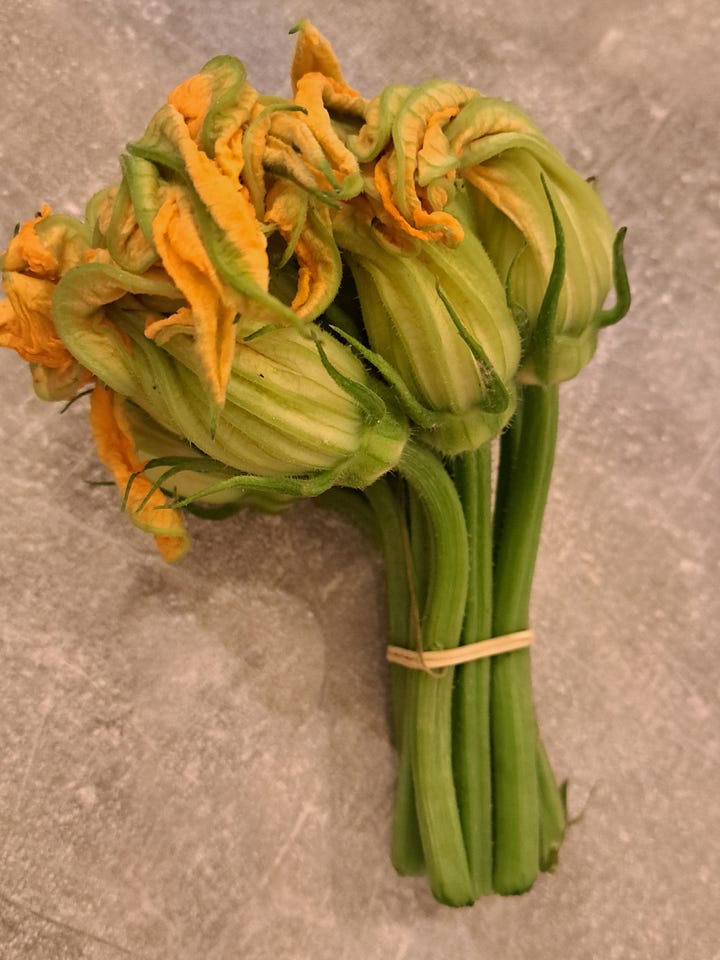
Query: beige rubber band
x=429, y=660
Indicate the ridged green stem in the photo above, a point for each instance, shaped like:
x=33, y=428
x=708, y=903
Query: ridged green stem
x=471, y=746
x=442, y=616
x=391, y=527
x=525, y=472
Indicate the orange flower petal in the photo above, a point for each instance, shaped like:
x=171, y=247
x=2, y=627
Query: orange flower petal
x=27, y=251
x=191, y=99
x=230, y=208
x=213, y=306
x=116, y=448
x=319, y=267
x=26, y=323
x=313, y=54
x=427, y=225
x=312, y=92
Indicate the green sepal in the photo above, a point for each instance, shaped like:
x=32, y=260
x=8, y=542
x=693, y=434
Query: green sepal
x=341, y=321
x=372, y=406
x=220, y=512
x=74, y=399
x=623, y=297
x=266, y=328
x=287, y=486
x=120, y=233
x=176, y=465
x=520, y=314
x=230, y=89
x=496, y=397
x=544, y=333
x=422, y=415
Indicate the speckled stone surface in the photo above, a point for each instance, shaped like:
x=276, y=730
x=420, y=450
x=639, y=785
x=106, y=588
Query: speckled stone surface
x=195, y=762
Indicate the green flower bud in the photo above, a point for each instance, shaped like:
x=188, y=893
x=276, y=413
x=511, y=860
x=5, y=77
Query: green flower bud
x=438, y=318
x=192, y=473
x=41, y=251
x=436, y=141
x=530, y=205
x=296, y=405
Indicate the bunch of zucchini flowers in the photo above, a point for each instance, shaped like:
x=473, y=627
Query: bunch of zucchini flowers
x=349, y=299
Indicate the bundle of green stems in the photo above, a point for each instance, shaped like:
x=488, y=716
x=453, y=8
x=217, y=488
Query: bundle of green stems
x=354, y=299
x=477, y=806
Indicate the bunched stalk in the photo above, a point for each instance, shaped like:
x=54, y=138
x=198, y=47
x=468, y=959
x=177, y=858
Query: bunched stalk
x=524, y=478
x=471, y=747
x=391, y=529
x=446, y=550
x=203, y=300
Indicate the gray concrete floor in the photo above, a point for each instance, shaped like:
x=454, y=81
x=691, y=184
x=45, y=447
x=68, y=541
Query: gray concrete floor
x=195, y=761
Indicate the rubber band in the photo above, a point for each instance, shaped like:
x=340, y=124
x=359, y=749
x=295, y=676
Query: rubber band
x=431, y=660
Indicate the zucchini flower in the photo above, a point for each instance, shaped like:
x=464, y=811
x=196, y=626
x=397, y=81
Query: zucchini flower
x=295, y=405
x=190, y=302
x=547, y=232
x=441, y=146
x=40, y=252
x=434, y=311
x=531, y=211
x=439, y=328
x=222, y=181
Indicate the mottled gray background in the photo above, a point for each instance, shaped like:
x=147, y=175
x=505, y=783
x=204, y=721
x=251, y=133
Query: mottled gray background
x=195, y=761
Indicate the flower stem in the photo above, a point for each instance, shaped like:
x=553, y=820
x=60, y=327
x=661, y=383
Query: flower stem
x=524, y=478
x=391, y=529
x=446, y=552
x=471, y=746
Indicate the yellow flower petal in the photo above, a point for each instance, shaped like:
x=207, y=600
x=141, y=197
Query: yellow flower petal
x=116, y=448
x=26, y=324
x=313, y=54
x=213, y=305
x=319, y=268
x=191, y=99
x=313, y=90
x=27, y=251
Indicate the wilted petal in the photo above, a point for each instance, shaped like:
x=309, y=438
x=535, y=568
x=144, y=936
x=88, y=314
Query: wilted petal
x=213, y=306
x=313, y=54
x=307, y=229
x=116, y=449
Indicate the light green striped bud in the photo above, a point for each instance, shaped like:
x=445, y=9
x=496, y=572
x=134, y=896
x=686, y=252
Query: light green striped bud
x=298, y=403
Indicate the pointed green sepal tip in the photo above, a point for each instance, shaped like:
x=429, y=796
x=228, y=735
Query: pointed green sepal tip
x=623, y=297
x=78, y=396
x=423, y=416
x=286, y=486
x=372, y=406
x=543, y=337
x=496, y=397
